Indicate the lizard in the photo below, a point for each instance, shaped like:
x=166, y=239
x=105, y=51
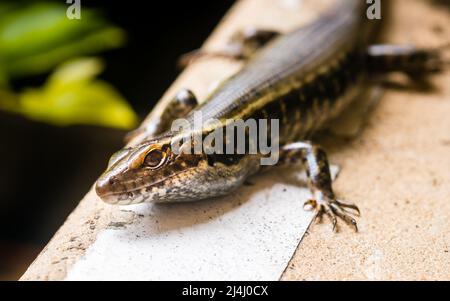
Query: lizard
x=304, y=78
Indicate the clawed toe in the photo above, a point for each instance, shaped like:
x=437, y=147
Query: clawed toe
x=334, y=209
x=348, y=205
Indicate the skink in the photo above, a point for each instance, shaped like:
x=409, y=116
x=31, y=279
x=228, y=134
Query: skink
x=303, y=79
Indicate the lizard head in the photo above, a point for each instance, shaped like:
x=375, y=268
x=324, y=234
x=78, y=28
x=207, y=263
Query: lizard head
x=152, y=171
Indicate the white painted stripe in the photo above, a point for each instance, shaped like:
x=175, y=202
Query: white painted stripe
x=250, y=235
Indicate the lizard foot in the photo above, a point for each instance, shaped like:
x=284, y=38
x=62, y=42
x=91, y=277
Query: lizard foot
x=333, y=208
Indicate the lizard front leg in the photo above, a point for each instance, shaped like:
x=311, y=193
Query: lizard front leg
x=183, y=102
x=324, y=200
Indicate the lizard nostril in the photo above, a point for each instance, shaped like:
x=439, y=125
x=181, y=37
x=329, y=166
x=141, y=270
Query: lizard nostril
x=104, y=186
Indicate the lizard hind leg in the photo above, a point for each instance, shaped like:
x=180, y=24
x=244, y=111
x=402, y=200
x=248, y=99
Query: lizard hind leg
x=413, y=61
x=324, y=200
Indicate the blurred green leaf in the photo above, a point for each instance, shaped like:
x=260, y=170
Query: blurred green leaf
x=75, y=73
x=37, y=37
x=72, y=96
x=3, y=78
x=41, y=62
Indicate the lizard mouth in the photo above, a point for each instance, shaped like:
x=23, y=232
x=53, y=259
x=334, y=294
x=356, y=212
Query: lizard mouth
x=123, y=198
x=135, y=196
x=127, y=197
x=130, y=197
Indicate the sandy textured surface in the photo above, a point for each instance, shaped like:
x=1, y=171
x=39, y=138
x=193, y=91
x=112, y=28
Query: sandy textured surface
x=397, y=169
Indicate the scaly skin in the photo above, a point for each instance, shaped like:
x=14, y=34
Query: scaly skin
x=304, y=79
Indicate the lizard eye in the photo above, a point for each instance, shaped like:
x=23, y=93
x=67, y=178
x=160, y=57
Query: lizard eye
x=155, y=158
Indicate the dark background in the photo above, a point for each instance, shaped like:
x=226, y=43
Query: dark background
x=46, y=170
